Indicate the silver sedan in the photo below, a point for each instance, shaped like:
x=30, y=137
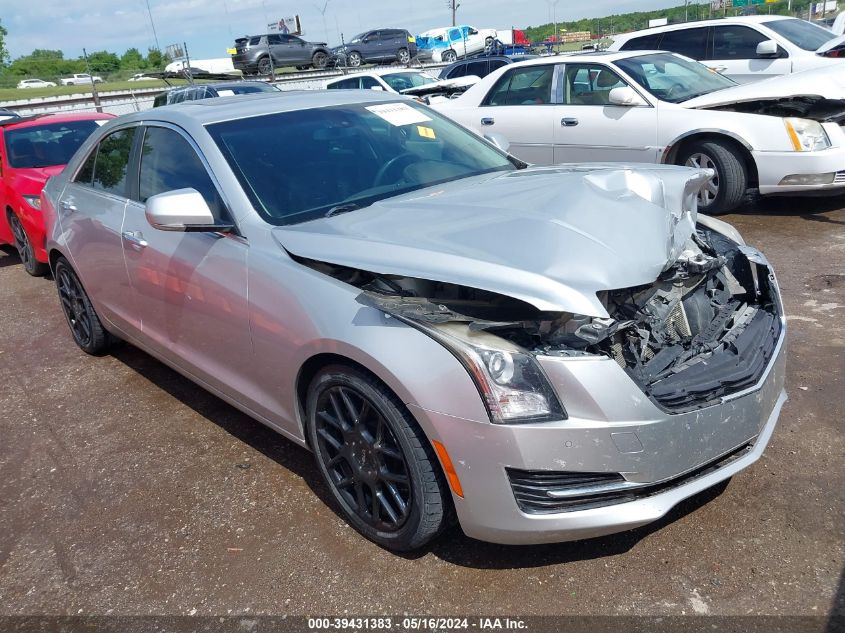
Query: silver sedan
x=546, y=353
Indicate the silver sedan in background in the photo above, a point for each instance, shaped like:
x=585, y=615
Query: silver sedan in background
x=548, y=353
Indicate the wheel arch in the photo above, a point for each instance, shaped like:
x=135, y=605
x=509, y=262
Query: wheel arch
x=743, y=147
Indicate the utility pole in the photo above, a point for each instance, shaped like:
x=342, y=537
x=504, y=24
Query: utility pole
x=323, y=13
x=93, y=84
x=453, y=7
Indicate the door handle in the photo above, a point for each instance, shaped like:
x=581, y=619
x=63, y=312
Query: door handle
x=487, y=121
x=135, y=238
x=569, y=121
x=67, y=206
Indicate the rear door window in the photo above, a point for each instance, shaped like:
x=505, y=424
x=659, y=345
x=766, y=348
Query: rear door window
x=530, y=85
x=644, y=43
x=112, y=162
x=688, y=42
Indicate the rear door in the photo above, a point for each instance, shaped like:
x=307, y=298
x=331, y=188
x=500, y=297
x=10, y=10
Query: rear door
x=734, y=53
x=91, y=211
x=191, y=288
x=520, y=106
x=589, y=128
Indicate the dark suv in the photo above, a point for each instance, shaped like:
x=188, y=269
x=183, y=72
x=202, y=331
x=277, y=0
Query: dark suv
x=480, y=66
x=378, y=45
x=252, y=54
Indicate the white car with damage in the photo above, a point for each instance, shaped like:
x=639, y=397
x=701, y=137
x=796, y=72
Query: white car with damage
x=781, y=135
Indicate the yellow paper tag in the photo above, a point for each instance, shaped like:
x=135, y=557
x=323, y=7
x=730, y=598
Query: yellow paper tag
x=231, y=51
x=425, y=132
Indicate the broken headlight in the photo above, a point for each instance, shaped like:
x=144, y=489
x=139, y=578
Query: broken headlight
x=806, y=135
x=511, y=383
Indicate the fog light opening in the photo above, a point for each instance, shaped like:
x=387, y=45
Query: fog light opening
x=809, y=179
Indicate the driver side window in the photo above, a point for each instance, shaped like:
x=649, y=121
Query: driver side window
x=168, y=162
x=589, y=84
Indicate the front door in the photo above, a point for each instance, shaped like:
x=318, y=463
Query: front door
x=735, y=54
x=587, y=127
x=191, y=288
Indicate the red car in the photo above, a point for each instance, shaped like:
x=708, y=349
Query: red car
x=31, y=150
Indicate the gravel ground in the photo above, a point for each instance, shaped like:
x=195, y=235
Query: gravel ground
x=125, y=489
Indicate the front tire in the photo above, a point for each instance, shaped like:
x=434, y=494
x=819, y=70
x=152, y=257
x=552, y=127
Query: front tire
x=353, y=60
x=377, y=463
x=726, y=190
x=85, y=326
x=25, y=249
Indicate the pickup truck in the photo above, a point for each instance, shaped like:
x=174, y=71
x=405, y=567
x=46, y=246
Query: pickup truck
x=80, y=79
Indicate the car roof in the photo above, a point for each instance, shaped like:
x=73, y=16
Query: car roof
x=207, y=111
x=740, y=19
x=44, y=119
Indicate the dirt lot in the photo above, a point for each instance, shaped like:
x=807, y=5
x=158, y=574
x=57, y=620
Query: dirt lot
x=126, y=489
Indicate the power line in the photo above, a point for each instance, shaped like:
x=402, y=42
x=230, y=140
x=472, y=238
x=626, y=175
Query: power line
x=152, y=24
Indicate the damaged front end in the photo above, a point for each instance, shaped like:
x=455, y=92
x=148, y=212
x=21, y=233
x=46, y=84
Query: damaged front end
x=812, y=107
x=705, y=329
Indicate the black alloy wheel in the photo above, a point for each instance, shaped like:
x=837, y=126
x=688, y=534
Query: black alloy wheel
x=378, y=464
x=85, y=325
x=25, y=250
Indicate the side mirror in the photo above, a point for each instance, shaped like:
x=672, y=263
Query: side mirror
x=625, y=96
x=767, y=48
x=181, y=210
x=498, y=140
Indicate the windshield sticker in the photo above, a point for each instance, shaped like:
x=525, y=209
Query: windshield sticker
x=225, y=93
x=425, y=132
x=398, y=114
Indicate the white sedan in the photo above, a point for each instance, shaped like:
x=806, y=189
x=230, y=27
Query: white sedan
x=780, y=135
x=413, y=83
x=35, y=83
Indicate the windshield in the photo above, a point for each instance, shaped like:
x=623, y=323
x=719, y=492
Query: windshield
x=803, y=34
x=358, y=38
x=403, y=81
x=47, y=145
x=301, y=165
x=672, y=78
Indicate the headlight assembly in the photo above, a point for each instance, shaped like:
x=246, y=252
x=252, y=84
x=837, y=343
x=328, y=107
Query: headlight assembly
x=806, y=135
x=511, y=383
x=33, y=201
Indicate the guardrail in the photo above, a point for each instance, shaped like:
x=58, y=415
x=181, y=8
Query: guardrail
x=126, y=101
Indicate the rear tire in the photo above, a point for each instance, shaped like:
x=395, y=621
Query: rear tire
x=85, y=326
x=319, y=59
x=726, y=191
x=449, y=56
x=403, y=56
x=25, y=249
x=265, y=66
x=375, y=460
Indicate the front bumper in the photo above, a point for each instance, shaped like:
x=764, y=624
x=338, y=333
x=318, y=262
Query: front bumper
x=773, y=167
x=612, y=428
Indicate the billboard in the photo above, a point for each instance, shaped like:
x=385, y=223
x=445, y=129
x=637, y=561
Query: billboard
x=290, y=25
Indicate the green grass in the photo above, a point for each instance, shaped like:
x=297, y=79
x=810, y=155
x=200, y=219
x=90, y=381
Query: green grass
x=14, y=94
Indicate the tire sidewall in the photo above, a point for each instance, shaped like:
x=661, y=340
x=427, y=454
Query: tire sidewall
x=354, y=59
x=718, y=206
x=348, y=377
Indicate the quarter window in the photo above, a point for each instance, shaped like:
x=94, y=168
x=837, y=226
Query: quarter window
x=168, y=162
x=523, y=86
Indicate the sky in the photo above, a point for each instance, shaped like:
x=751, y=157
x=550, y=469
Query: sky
x=210, y=26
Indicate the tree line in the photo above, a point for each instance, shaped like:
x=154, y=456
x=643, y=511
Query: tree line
x=51, y=65
x=626, y=22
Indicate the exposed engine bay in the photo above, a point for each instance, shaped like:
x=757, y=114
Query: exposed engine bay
x=806, y=107
x=707, y=327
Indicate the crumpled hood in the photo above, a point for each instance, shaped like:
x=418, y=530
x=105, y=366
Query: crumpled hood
x=827, y=82
x=550, y=236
